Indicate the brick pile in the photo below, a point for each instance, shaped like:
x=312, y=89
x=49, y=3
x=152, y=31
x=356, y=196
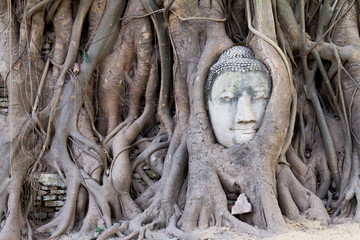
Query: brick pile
x=50, y=196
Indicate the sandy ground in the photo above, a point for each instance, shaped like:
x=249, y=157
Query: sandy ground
x=309, y=230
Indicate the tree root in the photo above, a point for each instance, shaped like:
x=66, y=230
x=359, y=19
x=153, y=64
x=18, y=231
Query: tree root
x=147, y=227
x=13, y=168
x=65, y=220
x=164, y=49
x=353, y=190
x=105, y=198
x=145, y=155
x=302, y=172
x=197, y=174
x=162, y=211
x=14, y=219
x=69, y=61
x=206, y=204
x=295, y=200
x=115, y=229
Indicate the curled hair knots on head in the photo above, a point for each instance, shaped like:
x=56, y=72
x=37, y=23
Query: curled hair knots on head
x=237, y=52
x=235, y=59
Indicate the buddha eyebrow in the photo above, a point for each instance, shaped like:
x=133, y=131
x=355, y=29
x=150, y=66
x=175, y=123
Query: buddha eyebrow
x=226, y=91
x=253, y=92
x=264, y=92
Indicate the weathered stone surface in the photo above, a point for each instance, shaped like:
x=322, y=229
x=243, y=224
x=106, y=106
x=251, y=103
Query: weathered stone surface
x=54, y=203
x=241, y=206
x=49, y=197
x=46, y=188
x=62, y=197
x=46, y=209
x=41, y=192
x=234, y=81
x=49, y=179
x=58, y=192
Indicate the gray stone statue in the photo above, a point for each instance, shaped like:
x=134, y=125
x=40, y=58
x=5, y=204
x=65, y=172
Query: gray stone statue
x=237, y=92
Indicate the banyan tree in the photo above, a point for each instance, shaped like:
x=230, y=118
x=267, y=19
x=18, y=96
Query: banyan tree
x=116, y=97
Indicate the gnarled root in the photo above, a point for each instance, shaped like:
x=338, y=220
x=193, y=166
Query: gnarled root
x=59, y=157
x=163, y=211
x=65, y=220
x=14, y=219
x=13, y=168
x=206, y=204
x=352, y=191
x=295, y=200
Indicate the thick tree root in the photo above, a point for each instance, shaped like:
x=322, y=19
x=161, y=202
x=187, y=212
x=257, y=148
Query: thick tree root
x=14, y=167
x=353, y=191
x=119, y=50
x=295, y=200
x=14, y=219
x=206, y=204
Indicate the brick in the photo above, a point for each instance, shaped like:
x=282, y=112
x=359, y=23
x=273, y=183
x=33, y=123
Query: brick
x=46, y=188
x=58, y=192
x=49, y=197
x=54, y=203
x=35, y=209
x=62, y=197
x=41, y=193
x=49, y=179
x=46, y=209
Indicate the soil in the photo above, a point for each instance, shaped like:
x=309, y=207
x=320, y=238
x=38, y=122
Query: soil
x=312, y=230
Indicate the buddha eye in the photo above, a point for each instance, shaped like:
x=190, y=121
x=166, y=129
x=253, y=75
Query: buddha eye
x=260, y=96
x=226, y=99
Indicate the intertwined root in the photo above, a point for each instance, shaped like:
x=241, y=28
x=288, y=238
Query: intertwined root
x=121, y=49
x=295, y=200
x=352, y=192
x=11, y=205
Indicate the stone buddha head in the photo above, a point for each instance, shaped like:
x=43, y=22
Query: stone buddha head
x=237, y=91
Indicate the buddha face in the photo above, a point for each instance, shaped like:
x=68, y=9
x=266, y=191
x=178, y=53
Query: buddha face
x=237, y=103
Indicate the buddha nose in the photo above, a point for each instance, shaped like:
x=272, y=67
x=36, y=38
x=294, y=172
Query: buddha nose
x=244, y=112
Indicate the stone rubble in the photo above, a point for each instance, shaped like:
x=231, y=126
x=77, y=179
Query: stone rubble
x=50, y=196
